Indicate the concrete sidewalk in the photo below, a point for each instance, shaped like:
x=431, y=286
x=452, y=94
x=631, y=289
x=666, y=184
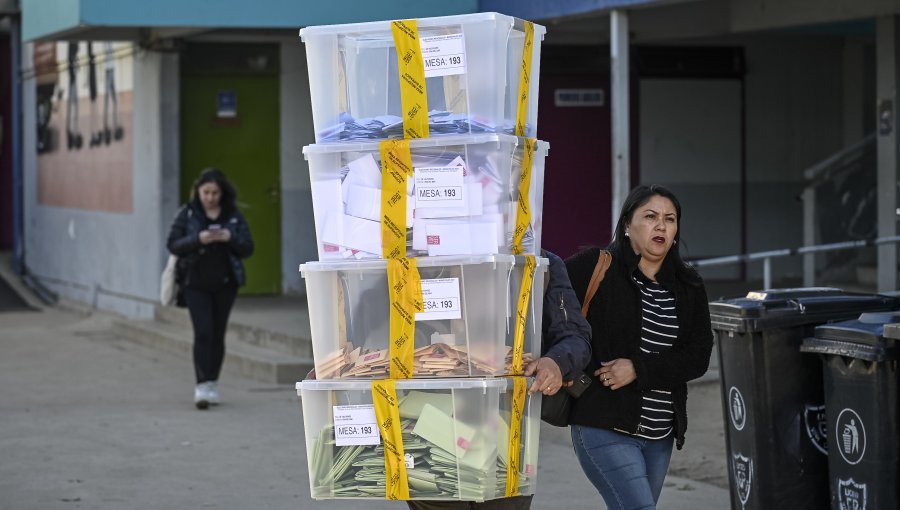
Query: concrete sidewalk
x=89, y=420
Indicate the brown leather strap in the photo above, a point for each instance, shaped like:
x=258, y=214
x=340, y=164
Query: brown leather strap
x=603, y=262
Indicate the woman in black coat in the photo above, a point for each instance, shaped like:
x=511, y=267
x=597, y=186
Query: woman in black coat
x=650, y=335
x=210, y=237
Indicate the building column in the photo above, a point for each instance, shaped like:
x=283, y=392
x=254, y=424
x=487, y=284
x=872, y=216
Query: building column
x=621, y=155
x=887, y=63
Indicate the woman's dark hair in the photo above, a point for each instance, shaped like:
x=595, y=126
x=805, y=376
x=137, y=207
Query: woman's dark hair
x=637, y=198
x=228, y=197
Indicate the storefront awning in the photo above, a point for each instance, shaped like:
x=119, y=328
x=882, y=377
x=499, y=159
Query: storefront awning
x=541, y=9
x=132, y=20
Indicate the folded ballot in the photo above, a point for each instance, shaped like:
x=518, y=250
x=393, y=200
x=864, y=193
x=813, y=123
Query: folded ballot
x=461, y=197
x=454, y=442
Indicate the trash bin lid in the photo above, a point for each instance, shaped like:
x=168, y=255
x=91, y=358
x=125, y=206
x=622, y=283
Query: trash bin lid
x=862, y=338
x=778, y=308
x=892, y=331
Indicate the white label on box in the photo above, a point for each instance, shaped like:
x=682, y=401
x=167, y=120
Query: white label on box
x=440, y=186
x=441, y=299
x=356, y=425
x=443, y=55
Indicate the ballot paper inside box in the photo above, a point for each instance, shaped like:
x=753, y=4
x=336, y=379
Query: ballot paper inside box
x=466, y=330
x=463, y=198
x=455, y=439
x=472, y=71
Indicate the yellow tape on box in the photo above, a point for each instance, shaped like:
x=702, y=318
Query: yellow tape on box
x=522, y=315
x=413, y=97
x=523, y=212
x=387, y=412
x=524, y=80
x=515, y=432
x=405, y=288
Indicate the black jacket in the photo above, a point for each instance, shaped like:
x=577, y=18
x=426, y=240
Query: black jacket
x=184, y=239
x=566, y=336
x=615, y=318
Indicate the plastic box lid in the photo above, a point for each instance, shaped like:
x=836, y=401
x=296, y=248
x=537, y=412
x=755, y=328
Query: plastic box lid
x=436, y=21
x=778, y=308
x=410, y=384
x=421, y=143
x=446, y=260
x=861, y=338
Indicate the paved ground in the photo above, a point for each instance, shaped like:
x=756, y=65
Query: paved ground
x=91, y=421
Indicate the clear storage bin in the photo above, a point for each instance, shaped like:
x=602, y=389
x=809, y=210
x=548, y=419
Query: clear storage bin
x=355, y=86
x=481, y=172
x=466, y=331
x=455, y=437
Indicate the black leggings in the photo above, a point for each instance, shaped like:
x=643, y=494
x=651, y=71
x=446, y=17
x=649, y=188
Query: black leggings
x=209, y=315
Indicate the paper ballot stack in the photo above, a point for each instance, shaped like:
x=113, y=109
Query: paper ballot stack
x=472, y=68
x=466, y=330
x=461, y=200
x=427, y=190
x=454, y=439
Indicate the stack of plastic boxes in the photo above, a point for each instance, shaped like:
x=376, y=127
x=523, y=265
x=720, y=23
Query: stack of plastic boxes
x=464, y=223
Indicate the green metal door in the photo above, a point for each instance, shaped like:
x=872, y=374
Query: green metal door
x=230, y=121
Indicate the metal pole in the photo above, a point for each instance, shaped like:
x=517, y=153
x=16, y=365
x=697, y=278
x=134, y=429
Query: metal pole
x=887, y=50
x=15, y=43
x=621, y=160
x=809, y=236
x=767, y=273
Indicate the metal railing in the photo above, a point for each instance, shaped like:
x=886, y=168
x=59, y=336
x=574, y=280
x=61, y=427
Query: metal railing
x=767, y=256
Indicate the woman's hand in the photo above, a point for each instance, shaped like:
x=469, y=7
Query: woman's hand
x=207, y=236
x=547, y=377
x=617, y=373
x=215, y=236
x=223, y=235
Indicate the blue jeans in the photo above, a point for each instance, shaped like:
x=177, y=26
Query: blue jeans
x=628, y=471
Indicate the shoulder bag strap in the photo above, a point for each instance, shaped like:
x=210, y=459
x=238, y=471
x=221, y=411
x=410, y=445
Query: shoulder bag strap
x=603, y=262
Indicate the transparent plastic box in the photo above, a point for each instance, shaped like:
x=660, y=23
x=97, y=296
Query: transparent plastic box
x=455, y=437
x=481, y=171
x=355, y=86
x=467, y=330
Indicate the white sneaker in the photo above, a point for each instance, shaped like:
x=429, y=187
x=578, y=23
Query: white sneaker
x=213, y=393
x=202, y=395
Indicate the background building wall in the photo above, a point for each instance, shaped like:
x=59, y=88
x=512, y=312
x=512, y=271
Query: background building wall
x=111, y=260
x=794, y=119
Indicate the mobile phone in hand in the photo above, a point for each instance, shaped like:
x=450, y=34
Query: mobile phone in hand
x=579, y=384
x=214, y=227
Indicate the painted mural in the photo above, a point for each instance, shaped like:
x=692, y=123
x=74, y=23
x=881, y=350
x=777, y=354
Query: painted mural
x=84, y=124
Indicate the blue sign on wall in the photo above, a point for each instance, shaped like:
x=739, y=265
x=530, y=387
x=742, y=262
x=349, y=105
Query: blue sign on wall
x=226, y=104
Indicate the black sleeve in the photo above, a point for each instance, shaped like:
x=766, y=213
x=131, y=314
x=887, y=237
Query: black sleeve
x=688, y=359
x=180, y=241
x=241, y=243
x=566, y=334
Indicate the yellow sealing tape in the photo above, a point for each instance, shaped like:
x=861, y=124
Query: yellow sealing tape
x=387, y=412
x=515, y=433
x=523, y=213
x=411, y=68
x=522, y=315
x=405, y=288
x=396, y=168
x=524, y=80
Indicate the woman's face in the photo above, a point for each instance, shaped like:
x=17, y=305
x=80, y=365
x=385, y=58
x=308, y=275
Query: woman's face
x=210, y=193
x=653, y=227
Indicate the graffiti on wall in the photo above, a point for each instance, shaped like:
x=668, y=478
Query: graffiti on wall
x=84, y=116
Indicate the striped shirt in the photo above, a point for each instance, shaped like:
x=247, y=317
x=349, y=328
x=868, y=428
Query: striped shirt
x=659, y=327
